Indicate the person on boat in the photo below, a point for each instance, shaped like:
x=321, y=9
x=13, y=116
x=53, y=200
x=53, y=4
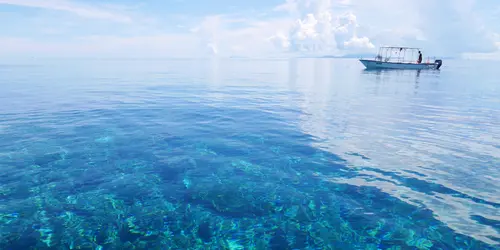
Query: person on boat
x=419, y=57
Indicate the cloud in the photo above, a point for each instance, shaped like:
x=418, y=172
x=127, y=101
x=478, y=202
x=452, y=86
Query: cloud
x=490, y=55
x=73, y=7
x=324, y=27
x=359, y=43
x=309, y=27
x=453, y=27
x=306, y=27
x=440, y=27
x=105, y=46
x=228, y=36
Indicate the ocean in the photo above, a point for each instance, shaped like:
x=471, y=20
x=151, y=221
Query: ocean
x=248, y=154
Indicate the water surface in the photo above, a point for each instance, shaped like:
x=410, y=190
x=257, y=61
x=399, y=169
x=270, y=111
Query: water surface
x=248, y=154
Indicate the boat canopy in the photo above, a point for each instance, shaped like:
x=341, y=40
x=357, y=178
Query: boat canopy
x=397, y=54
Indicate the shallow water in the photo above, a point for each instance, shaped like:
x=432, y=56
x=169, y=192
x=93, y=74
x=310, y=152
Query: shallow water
x=248, y=154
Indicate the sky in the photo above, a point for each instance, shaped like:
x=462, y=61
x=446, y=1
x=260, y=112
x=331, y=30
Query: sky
x=258, y=28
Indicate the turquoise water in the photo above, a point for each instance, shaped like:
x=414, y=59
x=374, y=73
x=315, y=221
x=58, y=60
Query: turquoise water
x=248, y=154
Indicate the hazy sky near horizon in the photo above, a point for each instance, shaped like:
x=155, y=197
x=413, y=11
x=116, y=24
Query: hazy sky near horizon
x=246, y=28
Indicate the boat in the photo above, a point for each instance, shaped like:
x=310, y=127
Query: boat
x=396, y=58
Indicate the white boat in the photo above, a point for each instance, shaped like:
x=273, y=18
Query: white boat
x=395, y=58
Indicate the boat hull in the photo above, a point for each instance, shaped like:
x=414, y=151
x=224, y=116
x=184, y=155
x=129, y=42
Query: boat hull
x=374, y=64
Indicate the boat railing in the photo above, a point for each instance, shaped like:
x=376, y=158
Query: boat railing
x=402, y=59
x=394, y=59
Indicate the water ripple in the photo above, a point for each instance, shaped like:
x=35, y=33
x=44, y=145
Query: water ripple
x=243, y=154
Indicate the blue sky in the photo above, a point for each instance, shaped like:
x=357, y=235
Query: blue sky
x=246, y=28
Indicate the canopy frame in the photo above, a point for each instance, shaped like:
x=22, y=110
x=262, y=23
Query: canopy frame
x=397, y=54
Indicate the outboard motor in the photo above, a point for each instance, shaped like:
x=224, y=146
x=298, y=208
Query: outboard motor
x=439, y=63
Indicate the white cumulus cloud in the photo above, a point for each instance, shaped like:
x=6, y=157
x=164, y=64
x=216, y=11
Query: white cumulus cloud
x=359, y=43
x=323, y=27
